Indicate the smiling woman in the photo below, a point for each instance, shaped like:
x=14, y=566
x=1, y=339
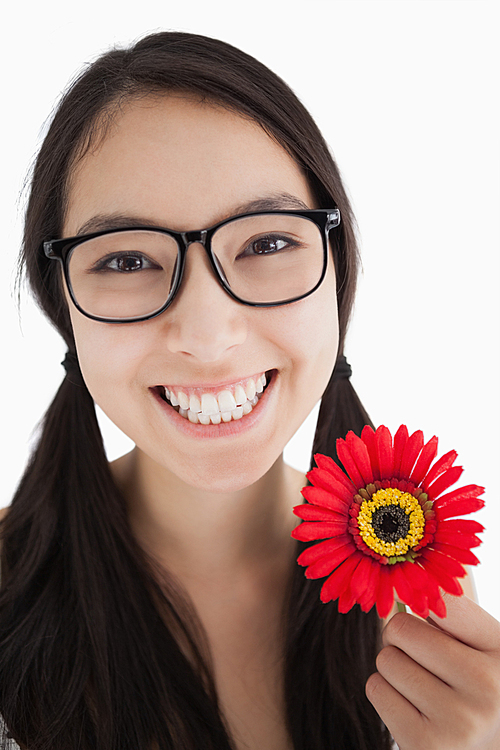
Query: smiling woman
x=183, y=154
x=155, y=602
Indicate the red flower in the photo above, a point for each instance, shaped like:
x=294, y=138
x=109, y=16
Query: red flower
x=388, y=524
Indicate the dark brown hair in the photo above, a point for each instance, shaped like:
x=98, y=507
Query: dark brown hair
x=98, y=648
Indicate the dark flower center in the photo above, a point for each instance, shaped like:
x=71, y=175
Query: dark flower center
x=390, y=523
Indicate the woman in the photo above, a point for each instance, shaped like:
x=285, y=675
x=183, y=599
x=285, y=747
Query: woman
x=156, y=602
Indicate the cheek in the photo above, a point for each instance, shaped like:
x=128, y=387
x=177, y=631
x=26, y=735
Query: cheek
x=311, y=331
x=107, y=354
x=321, y=339
x=100, y=349
x=316, y=326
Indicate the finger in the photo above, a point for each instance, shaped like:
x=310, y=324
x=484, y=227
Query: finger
x=441, y=654
x=469, y=623
x=404, y=721
x=426, y=692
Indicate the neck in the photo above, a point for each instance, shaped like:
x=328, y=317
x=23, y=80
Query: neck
x=201, y=535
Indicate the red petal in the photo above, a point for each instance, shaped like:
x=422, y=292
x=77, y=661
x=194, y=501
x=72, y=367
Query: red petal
x=325, y=566
x=400, y=440
x=339, y=579
x=368, y=438
x=385, y=594
x=450, y=566
x=367, y=599
x=449, y=584
x=349, y=464
x=459, y=508
x=385, y=452
x=314, y=513
x=414, y=596
x=359, y=452
x=401, y=582
x=307, y=532
x=442, y=577
x=425, y=459
x=325, y=481
x=362, y=575
x=318, y=496
x=461, y=493
x=441, y=484
x=433, y=594
x=441, y=465
x=423, y=581
x=465, y=541
x=459, y=553
x=418, y=599
x=417, y=576
x=436, y=602
x=325, y=463
x=347, y=600
x=461, y=525
x=317, y=551
x=419, y=604
x=410, y=453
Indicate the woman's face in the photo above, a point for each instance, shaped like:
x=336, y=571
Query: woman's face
x=186, y=165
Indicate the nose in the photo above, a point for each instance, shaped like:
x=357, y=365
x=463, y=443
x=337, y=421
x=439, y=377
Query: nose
x=203, y=321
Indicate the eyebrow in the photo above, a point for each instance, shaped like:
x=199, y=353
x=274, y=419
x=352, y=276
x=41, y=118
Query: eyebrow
x=275, y=202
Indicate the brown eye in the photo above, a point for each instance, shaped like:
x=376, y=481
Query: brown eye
x=268, y=245
x=129, y=263
x=124, y=263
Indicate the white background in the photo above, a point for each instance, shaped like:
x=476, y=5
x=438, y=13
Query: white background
x=406, y=94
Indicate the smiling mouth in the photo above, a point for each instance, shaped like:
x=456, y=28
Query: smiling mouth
x=211, y=408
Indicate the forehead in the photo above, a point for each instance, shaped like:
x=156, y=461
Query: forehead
x=181, y=163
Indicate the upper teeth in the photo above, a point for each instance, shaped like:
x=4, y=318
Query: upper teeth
x=225, y=401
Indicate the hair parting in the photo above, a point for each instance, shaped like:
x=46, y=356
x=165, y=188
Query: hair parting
x=100, y=648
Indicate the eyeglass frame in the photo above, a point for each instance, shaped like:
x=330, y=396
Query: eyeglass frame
x=59, y=249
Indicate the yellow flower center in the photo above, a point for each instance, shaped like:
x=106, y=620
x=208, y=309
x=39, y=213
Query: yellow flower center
x=391, y=522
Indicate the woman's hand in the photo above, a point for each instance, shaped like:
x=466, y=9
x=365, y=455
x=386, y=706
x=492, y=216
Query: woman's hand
x=438, y=682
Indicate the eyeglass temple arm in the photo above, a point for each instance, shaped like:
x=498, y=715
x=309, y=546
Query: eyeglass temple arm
x=333, y=219
x=48, y=250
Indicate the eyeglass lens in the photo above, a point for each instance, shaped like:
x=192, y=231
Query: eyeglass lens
x=264, y=259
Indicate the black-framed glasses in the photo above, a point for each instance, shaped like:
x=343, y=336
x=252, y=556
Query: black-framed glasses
x=262, y=259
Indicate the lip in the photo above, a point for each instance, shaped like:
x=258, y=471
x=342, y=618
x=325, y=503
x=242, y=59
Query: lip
x=224, y=429
x=206, y=388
